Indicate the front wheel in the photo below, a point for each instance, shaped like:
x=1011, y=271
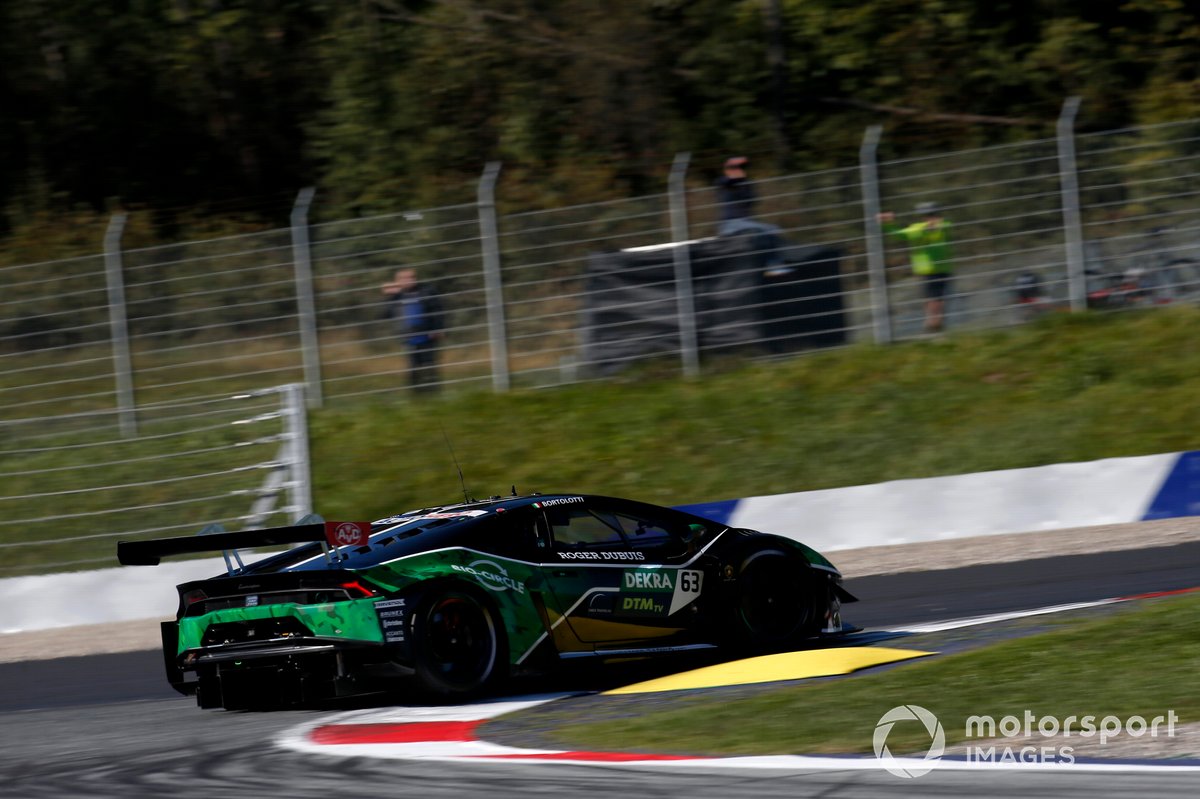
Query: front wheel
x=458, y=645
x=775, y=602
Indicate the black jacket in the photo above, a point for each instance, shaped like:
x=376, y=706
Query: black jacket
x=736, y=198
x=417, y=313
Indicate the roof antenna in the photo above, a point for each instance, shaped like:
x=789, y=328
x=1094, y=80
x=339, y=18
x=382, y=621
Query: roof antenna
x=461, y=481
x=514, y=490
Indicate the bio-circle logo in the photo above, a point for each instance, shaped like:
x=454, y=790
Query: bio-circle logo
x=491, y=575
x=909, y=767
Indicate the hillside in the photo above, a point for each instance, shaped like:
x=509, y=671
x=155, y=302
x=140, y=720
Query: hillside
x=223, y=110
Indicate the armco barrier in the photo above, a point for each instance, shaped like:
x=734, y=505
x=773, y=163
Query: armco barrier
x=899, y=512
x=125, y=593
x=1053, y=497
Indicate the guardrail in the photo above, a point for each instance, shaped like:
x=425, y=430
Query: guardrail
x=71, y=485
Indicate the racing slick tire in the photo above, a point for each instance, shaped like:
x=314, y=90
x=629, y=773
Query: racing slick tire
x=458, y=643
x=775, y=602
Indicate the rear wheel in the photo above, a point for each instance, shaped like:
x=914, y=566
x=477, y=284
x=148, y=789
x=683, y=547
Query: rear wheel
x=458, y=644
x=775, y=603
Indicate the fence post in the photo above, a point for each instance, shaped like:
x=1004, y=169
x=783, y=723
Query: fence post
x=489, y=240
x=306, y=306
x=881, y=313
x=295, y=423
x=685, y=301
x=1068, y=180
x=119, y=326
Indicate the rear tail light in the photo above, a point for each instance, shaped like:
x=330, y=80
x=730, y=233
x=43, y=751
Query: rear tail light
x=357, y=590
x=192, y=597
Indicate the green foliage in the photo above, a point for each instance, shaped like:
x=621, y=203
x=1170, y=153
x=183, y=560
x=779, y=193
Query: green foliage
x=158, y=103
x=1066, y=389
x=385, y=103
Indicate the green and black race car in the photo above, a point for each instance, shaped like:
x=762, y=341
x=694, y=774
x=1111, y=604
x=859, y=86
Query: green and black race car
x=457, y=597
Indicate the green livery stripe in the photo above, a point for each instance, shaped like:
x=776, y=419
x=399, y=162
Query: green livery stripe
x=352, y=619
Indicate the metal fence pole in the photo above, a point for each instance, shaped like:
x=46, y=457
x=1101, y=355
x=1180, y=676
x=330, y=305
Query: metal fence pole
x=881, y=313
x=119, y=325
x=1068, y=178
x=295, y=421
x=489, y=239
x=306, y=306
x=685, y=301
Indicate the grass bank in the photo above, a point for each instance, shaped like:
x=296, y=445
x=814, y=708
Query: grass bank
x=1140, y=661
x=1067, y=389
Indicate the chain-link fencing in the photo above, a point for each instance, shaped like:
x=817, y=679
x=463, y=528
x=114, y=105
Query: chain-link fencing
x=101, y=350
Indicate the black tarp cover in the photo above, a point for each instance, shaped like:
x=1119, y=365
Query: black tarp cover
x=747, y=298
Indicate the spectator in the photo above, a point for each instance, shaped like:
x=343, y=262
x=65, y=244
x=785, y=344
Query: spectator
x=735, y=194
x=929, y=252
x=417, y=314
x=736, y=200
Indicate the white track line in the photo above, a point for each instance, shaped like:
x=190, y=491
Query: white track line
x=993, y=618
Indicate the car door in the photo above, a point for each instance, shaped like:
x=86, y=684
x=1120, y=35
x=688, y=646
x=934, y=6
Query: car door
x=618, y=572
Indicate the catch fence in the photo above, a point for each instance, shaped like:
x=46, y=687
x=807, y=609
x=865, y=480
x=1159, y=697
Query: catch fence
x=107, y=359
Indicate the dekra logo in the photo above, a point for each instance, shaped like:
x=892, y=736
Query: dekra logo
x=649, y=581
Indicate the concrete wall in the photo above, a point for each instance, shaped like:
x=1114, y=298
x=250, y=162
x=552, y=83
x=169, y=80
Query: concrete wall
x=1053, y=497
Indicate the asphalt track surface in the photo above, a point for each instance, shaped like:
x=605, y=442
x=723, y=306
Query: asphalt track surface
x=108, y=726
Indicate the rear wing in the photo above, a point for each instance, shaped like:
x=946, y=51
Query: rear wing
x=151, y=553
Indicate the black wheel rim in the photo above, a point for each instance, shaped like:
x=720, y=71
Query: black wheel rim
x=773, y=604
x=461, y=641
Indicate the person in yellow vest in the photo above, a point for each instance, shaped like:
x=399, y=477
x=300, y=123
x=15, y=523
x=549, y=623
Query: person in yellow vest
x=929, y=251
